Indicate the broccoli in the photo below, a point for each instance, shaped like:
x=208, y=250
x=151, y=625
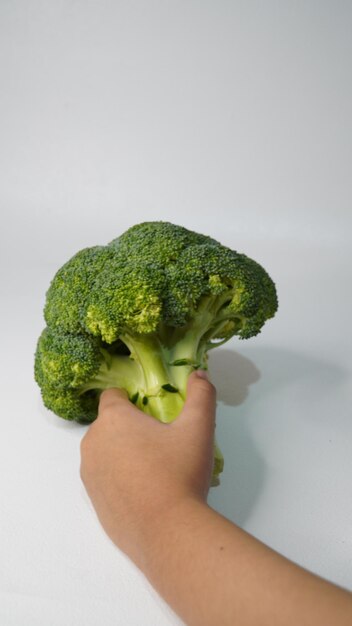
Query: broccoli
x=141, y=313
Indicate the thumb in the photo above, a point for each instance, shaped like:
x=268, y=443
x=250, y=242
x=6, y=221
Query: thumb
x=114, y=401
x=199, y=409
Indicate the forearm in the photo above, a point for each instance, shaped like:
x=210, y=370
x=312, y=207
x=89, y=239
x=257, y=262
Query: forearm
x=148, y=483
x=212, y=572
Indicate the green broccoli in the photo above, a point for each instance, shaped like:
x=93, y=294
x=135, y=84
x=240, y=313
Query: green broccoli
x=141, y=313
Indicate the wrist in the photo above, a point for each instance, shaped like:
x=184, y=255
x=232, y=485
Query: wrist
x=164, y=530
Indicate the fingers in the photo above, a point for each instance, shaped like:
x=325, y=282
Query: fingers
x=115, y=400
x=199, y=407
x=114, y=403
x=198, y=411
x=201, y=395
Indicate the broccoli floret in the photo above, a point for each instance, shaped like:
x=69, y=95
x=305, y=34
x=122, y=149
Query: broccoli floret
x=141, y=313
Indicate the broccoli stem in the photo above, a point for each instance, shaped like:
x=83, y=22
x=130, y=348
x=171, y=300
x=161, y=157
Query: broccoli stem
x=218, y=465
x=115, y=371
x=153, y=360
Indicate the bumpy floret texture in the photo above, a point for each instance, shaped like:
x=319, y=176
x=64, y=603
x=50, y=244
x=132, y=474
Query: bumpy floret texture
x=141, y=313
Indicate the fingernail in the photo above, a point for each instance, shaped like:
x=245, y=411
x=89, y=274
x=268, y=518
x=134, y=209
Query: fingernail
x=202, y=374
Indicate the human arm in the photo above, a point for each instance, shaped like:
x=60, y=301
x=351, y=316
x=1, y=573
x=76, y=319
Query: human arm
x=149, y=482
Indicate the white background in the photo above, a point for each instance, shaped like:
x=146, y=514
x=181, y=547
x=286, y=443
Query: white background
x=230, y=118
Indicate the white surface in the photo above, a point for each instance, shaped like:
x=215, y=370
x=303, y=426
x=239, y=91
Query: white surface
x=231, y=118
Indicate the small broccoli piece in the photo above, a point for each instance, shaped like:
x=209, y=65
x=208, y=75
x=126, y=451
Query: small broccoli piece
x=141, y=313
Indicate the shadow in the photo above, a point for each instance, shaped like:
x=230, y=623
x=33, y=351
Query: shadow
x=232, y=374
x=244, y=469
x=282, y=382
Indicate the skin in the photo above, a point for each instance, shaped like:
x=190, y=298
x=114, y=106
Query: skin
x=149, y=483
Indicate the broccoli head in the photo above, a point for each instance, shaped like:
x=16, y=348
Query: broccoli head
x=141, y=313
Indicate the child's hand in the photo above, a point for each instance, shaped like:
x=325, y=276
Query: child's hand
x=136, y=469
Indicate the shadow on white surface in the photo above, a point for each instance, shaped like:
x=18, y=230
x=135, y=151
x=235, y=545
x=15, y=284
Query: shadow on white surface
x=252, y=400
x=232, y=374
